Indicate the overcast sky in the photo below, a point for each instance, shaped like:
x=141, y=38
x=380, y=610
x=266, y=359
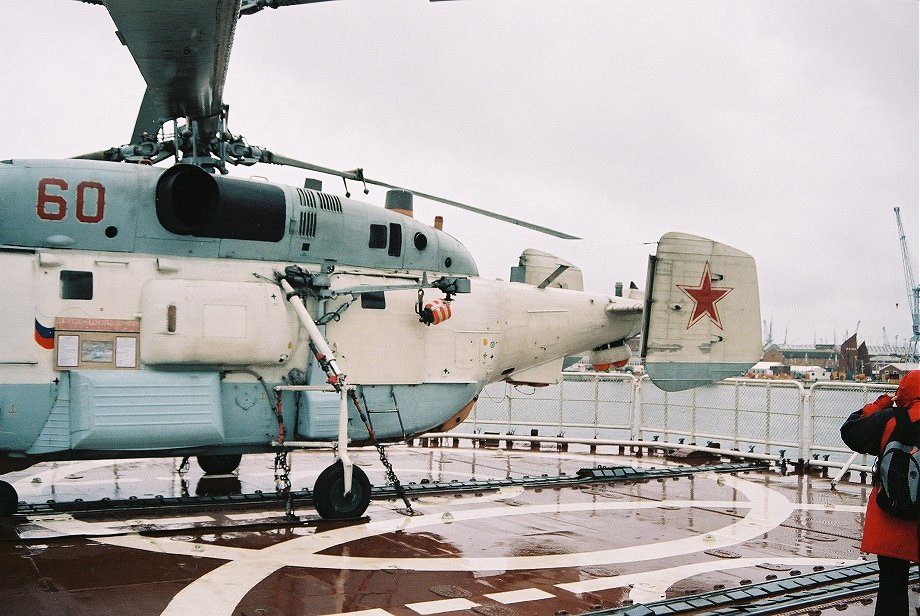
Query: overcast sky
x=787, y=129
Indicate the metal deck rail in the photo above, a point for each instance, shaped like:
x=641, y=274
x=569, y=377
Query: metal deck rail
x=271, y=499
x=831, y=586
x=781, y=420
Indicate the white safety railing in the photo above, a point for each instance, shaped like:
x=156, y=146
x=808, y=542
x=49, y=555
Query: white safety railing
x=776, y=419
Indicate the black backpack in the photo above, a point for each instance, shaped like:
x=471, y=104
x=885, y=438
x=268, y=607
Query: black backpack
x=897, y=469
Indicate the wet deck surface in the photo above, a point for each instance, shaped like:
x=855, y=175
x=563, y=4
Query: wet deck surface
x=518, y=551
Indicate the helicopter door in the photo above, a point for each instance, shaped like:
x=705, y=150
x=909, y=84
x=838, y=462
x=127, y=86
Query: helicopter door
x=19, y=351
x=380, y=341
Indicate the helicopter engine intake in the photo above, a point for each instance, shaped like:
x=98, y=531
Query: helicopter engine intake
x=191, y=201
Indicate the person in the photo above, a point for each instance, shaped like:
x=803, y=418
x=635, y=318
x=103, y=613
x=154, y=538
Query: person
x=893, y=540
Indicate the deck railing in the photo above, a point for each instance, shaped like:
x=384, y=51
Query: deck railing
x=782, y=420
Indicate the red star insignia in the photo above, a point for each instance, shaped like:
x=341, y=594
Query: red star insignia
x=705, y=297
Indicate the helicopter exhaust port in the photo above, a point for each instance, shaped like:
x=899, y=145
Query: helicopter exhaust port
x=399, y=201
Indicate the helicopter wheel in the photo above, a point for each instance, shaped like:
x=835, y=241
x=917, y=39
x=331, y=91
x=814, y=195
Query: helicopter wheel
x=9, y=500
x=219, y=464
x=329, y=496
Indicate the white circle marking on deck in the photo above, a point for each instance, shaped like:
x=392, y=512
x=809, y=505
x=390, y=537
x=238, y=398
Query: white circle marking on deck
x=221, y=590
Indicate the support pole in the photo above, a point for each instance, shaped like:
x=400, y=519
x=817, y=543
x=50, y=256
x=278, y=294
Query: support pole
x=321, y=347
x=326, y=359
x=843, y=470
x=347, y=465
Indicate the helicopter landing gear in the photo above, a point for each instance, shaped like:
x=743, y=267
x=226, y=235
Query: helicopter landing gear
x=332, y=501
x=9, y=500
x=219, y=464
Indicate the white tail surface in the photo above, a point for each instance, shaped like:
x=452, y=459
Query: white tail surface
x=702, y=314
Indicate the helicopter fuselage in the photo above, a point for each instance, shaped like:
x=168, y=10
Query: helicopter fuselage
x=142, y=313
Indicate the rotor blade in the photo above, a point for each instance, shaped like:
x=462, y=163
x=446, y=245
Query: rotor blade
x=148, y=118
x=358, y=176
x=100, y=155
x=181, y=48
x=476, y=210
x=249, y=7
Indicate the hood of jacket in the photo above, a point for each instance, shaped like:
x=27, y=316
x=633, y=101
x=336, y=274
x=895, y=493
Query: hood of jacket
x=909, y=389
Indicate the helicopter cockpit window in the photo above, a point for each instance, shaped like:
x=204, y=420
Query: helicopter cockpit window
x=76, y=285
x=374, y=300
x=395, y=240
x=378, y=237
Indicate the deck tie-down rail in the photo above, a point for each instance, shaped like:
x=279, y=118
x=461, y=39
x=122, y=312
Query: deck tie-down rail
x=267, y=499
x=796, y=593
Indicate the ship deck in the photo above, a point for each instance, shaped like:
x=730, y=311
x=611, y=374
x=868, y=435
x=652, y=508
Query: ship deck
x=553, y=550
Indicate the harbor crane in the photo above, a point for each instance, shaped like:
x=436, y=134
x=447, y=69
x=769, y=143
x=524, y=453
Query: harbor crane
x=912, y=351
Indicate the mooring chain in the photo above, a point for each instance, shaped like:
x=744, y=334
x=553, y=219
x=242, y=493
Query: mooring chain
x=283, y=481
x=295, y=283
x=392, y=478
x=182, y=471
x=388, y=468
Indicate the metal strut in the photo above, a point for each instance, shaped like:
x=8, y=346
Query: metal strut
x=336, y=379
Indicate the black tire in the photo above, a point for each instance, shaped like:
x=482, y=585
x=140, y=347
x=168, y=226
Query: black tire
x=9, y=500
x=329, y=496
x=219, y=464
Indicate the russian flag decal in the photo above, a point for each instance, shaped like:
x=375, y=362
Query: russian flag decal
x=44, y=336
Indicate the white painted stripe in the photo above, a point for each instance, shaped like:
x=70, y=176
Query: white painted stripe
x=65, y=524
x=374, y=612
x=185, y=548
x=254, y=516
x=831, y=507
x=99, y=531
x=444, y=605
x=214, y=595
x=164, y=521
x=519, y=596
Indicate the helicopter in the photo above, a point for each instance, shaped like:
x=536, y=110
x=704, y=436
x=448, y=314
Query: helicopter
x=155, y=309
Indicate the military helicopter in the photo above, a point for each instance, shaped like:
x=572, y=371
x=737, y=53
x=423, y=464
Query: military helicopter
x=175, y=310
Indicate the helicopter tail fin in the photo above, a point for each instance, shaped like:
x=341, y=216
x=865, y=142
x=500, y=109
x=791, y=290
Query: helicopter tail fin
x=701, y=321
